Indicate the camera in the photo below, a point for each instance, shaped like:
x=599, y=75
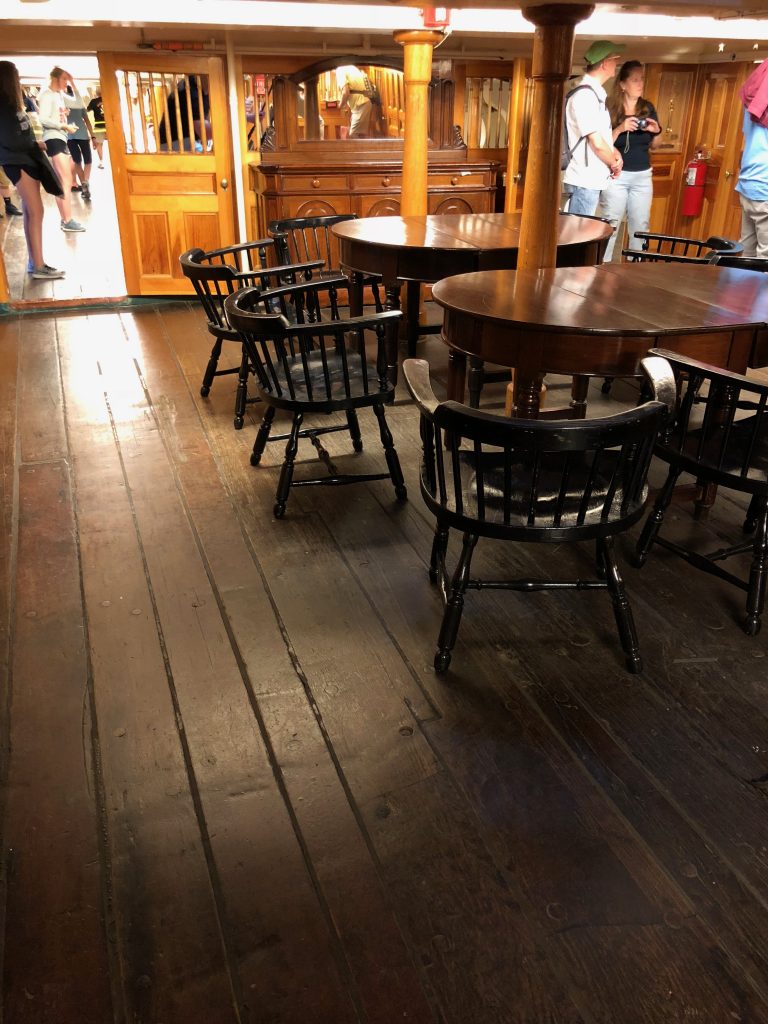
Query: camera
x=642, y=124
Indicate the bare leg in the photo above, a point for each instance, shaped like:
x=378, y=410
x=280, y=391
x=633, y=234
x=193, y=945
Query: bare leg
x=63, y=164
x=77, y=172
x=32, y=204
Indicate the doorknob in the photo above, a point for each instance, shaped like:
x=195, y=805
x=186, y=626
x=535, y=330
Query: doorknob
x=728, y=174
x=225, y=184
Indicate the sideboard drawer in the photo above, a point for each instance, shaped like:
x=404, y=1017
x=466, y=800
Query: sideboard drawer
x=371, y=182
x=458, y=179
x=315, y=182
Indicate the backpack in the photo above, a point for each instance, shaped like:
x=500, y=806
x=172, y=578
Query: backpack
x=567, y=151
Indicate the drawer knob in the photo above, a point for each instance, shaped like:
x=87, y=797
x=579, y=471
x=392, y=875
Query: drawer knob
x=454, y=181
x=315, y=183
x=386, y=181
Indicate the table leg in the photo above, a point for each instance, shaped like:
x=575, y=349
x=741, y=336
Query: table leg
x=528, y=394
x=412, y=306
x=579, y=388
x=457, y=372
x=392, y=292
x=356, y=294
x=475, y=381
x=705, y=499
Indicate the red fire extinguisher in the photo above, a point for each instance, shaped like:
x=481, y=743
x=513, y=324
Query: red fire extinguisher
x=693, y=187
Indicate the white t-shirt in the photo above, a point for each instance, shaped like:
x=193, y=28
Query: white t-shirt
x=54, y=109
x=585, y=113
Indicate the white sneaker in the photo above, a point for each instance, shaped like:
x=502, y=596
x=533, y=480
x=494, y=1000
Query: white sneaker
x=46, y=273
x=71, y=225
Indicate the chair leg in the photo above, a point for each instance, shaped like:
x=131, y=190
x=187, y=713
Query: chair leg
x=263, y=436
x=377, y=297
x=750, y=520
x=354, y=430
x=621, y=608
x=437, y=558
x=242, y=391
x=757, y=572
x=655, y=518
x=393, y=462
x=455, y=605
x=210, y=370
x=286, y=473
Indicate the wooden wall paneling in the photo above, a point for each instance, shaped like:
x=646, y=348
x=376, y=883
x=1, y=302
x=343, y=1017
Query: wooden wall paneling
x=55, y=933
x=715, y=129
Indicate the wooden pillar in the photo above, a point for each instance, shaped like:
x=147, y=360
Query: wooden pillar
x=417, y=71
x=552, y=57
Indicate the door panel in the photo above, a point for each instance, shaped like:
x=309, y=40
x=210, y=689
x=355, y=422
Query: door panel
x=716, y=132
x=167, y=120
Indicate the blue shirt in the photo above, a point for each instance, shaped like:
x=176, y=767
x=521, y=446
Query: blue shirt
x=753, y=176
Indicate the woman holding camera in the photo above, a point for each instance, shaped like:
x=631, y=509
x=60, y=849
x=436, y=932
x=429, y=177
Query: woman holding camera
x=636, y=131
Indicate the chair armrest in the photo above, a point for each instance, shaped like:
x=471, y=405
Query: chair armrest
x=283, y=268
x=243, y=247
x=662, y=380
x=416, y=373
x=333, y=326
x=675, y=358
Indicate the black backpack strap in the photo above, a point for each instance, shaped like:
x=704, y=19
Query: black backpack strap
x=570, y=150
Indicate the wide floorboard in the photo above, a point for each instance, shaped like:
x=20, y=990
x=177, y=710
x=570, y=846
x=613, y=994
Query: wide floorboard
x=234, y=790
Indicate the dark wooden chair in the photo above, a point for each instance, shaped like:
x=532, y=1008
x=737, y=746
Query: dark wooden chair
x=652, y=256
x=319, y=367
x=719, y=435
x=549, y=481
x=299, y=239
x=723, y=259
x=218, y=273
x=676, y=245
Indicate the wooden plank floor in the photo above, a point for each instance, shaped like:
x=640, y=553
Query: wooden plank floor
x=234, y=789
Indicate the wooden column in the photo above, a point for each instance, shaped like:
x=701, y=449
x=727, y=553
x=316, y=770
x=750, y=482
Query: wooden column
x=552, y=57
x=417, y=70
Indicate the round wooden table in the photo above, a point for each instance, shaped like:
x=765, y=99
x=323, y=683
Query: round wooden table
x=422, y=250
x=600, y=321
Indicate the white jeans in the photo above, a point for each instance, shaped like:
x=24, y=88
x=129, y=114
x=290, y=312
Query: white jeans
x=631, y=194
x=754, y=226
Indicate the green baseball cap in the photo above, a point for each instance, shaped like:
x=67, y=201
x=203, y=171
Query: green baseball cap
x=602, y=50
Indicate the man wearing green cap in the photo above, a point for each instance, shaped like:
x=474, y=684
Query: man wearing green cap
x=589, y=139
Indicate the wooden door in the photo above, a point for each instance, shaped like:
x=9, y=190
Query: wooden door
x=716, y=133
x=171, y=184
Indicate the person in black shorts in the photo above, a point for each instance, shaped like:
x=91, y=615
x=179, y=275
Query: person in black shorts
x=79, y=144
x=55, y=104
x=18, y=158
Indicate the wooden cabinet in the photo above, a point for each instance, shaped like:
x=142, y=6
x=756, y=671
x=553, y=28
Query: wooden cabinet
x=285, y=190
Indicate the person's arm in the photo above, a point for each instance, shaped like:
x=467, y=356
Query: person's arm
x=586, y=113
x=344, y=99
x=629, y=124
x=654, y=128
x=49, y=111
x=610, y=156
